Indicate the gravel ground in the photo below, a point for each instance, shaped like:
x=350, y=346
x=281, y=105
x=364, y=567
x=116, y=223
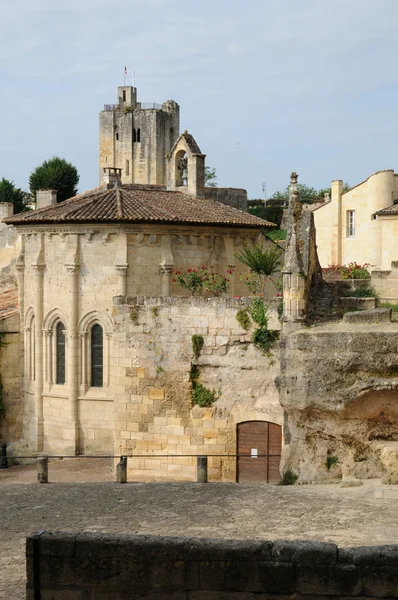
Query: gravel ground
x=83, y=497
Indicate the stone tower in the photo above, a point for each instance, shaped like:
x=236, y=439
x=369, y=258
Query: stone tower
x=136, y=137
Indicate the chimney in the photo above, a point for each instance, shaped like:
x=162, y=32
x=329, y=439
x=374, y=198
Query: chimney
x=45, y=198
x=6, y=210
x=111, y=176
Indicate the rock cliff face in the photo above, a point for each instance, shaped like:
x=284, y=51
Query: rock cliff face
x=339, y=390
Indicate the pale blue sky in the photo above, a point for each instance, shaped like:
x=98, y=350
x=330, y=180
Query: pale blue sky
x=265, y=86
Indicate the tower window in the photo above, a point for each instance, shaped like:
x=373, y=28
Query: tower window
x=138, y=135
x=97, y=356
x=60, y=354
x=117, y=137
x=127, y=167
x=124, y=95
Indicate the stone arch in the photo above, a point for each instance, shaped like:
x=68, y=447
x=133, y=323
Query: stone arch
x=53, y=316
x=29, y=316
x=85, y=326
x=181, y=156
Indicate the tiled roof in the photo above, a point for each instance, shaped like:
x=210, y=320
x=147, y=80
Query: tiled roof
x=138, y=204
x=8, y=303
x=390, y=210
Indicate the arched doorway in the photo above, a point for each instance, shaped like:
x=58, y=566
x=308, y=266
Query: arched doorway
x=259, y=445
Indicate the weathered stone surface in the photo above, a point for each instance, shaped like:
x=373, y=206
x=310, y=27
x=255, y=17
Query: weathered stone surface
x=377, y=315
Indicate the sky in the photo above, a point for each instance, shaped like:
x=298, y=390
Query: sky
x=265, y=86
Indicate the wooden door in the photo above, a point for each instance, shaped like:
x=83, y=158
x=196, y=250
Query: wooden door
x=259, y=451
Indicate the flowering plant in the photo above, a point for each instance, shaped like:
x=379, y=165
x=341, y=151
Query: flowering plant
x=202, y=280
x=350, y=271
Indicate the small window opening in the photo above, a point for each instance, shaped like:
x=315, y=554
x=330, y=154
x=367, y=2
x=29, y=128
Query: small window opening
x=97, y=360
x=117, y=137
x=127, y=167
x=60, y=354
x=134, y=136
x=124, y=95
x=138, y=135
x=350, y=223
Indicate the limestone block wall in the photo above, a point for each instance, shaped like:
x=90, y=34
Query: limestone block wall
x=102, y=567
x=235, y=197
x=10, y=372
x=151, y=358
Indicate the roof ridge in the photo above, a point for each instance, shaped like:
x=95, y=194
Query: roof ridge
x=119, y=206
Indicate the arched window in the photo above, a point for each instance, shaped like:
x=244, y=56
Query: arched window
x=60, y=354
x=97, y=356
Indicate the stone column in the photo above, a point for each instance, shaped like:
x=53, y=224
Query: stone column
x=122, y=272
x=72, y=264
x=165, y=271
x=38, y=367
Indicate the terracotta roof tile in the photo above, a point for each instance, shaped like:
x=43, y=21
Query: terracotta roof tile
x=139, y=204
x=390, y=210
x=8, y=303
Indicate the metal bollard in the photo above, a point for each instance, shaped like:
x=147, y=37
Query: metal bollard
x=201, y=473
x=121, y=470
x=42, y=469
x=4, y=459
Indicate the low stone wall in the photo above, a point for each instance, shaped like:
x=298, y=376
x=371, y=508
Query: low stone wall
x=104, y=567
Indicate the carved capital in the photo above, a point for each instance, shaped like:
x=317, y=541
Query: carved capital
x=38, y=268
x=165, y=269
x=83, y=334
x=72, y=269
x=48, y=332
x=122, y=269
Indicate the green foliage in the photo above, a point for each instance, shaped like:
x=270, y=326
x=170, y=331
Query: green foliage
x=9, y=193
x=307, y=195
x=197, y=345
x=194, y=373
x=155, y=312
x=276, y=235
x=201, y=280
x=58, y=174
x=242, y=316
x=394, y=307
x=259, y=312
x=363, y=291
x=263, y=338
x=210, y=177
x=268, y=213
x=128, y=109
x=261, y=260
x=159, y=369
x=353, y=271
x=280, y=309
x=134, y=312
x=289, y=477
x=203, y=396
x=330, y=461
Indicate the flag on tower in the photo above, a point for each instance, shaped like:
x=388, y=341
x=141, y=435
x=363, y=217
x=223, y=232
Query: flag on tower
x=125, y=70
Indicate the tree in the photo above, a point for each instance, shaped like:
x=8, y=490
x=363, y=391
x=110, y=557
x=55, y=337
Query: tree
x=307, y=195
x=210, y=177
x=58, y=174
x=9, y=193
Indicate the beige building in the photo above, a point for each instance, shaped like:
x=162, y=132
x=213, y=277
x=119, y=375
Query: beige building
x=107, y=333
x=360, y=225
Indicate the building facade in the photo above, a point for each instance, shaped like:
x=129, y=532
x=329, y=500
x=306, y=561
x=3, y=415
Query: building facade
x=359, y=225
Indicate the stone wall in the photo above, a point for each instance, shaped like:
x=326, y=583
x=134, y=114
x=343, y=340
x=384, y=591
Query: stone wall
x=104, y=567
x=235, y=197
x=152, y=354
x=386, y=283
x=10, y=371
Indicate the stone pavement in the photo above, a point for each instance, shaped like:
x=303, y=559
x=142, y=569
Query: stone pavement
x=350, y=517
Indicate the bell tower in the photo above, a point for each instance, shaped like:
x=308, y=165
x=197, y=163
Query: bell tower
x=136, y=137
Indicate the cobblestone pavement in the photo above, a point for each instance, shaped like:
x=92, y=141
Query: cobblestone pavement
x=349, y=517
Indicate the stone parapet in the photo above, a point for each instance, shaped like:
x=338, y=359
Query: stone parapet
x=103, y=566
